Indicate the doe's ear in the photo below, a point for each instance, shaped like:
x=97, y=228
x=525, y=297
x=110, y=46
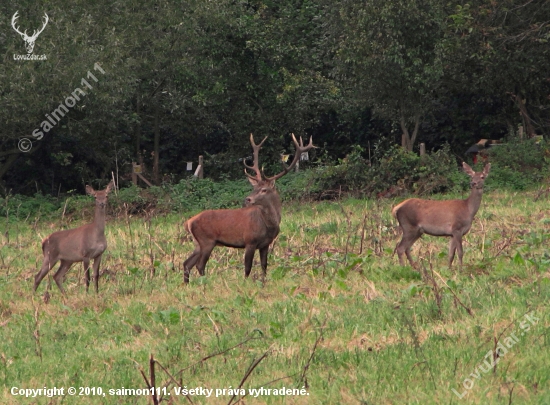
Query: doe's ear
x=90, y=191
x=486, y=169
x=109, y=187
x=468, y=169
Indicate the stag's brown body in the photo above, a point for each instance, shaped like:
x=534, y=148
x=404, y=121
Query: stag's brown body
x=451, y=218
x=253, y=227
x=81, y=244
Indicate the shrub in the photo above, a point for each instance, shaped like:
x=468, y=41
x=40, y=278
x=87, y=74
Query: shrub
x=517, y=164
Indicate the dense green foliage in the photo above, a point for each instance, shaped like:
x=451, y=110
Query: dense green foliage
x=392, y=172
x=187, y=78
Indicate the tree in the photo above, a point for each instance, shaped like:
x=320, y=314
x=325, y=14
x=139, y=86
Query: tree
x=388, y=58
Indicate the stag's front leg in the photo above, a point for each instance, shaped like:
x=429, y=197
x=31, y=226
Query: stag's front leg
x=248, y=259
x=263, y=260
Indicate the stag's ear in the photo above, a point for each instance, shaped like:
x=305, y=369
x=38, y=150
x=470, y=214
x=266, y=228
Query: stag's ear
x=468, y=169
x=109, y=187
x=90, y=191
x=486, y=169
x=253, y=181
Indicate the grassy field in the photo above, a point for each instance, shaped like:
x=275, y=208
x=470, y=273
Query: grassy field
x=337, y=318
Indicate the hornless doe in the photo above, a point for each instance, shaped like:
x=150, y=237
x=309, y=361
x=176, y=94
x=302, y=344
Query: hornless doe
x=252, y=227
x=440, y=218
x=81, y=244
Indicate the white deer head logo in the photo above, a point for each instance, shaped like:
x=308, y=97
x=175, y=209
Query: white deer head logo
x=29, y=41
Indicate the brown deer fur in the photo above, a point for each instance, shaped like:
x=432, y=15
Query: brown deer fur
x=440, y=218
x=252, y=227
x=81, y=244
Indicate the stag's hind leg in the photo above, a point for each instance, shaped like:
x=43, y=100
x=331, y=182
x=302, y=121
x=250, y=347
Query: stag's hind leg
x=47, y=265
x=206, y=250
x=189, y=264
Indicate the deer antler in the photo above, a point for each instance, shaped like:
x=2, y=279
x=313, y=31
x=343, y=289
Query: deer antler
x=300, y=148
x=14, y=18
x=24, y=34
x=37, y=33
x=255, y=167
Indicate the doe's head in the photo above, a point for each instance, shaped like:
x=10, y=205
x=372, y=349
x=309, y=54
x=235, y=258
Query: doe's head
x=101, y=196
x=477, y=178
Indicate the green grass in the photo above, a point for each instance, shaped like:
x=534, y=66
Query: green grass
x=337, y=314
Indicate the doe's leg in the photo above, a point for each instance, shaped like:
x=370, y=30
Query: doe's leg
x=404, y=247
x=97, y=262
x=47, y=265
x=60, y=274
x=86, y=266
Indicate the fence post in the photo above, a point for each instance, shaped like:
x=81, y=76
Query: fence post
x=134, y=175
x=199, y=173
x=422, y=149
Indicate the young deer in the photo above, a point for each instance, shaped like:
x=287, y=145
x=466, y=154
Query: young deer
x=439, y=218
x=252, y=227
x=81, y=244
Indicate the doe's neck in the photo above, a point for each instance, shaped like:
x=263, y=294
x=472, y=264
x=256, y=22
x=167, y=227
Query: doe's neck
x=474, y=200
x=99, y=218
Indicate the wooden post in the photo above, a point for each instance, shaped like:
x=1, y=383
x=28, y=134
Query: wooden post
x=134, y=175
x=520, y=132
x=422, y=149
x=199, y=173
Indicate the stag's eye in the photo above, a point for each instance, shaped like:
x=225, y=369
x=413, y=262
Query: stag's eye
x=264, y=190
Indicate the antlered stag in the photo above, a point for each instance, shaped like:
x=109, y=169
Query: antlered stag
x=252, y=227
x=81, y=244
x=440, y=218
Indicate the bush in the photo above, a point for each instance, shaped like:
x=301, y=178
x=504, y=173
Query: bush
x=515, y=165
x=518, y=165
x=396, y=172
x=21, y=207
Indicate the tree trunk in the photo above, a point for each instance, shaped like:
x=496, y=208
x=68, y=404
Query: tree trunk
x=10, y=161
x=137, y=127
x=407, y=140
x=527, y=122
x=156, y=147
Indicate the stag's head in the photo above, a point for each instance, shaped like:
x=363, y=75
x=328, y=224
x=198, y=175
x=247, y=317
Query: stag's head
x=265, y=192
x=29, y=40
